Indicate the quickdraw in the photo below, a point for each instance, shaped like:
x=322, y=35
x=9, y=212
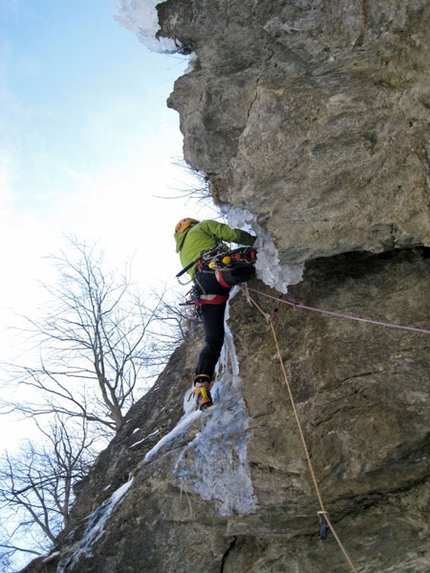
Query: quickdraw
x=194, y=299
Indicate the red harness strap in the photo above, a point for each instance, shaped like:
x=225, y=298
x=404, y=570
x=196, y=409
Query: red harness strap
x=220, y=279
x=213, y=298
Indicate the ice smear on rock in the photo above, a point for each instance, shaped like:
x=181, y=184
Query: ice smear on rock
x=268, y=266
x=214, y=464
x=96, y=522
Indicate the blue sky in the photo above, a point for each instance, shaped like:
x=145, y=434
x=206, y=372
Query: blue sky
x=87, y=143
x=87, y=147
x=77, y=90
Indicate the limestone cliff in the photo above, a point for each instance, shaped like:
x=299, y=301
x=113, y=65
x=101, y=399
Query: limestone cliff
x=313, y=115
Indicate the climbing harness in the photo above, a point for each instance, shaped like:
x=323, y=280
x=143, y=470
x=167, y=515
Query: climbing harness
x=230, y=267
x=324, y=520
x=223, y=259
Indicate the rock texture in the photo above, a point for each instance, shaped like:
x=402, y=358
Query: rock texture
x=362, y=394
x=313, y=115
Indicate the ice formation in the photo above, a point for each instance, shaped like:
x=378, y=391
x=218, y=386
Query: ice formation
x=214, y=463
x=96, y=522
x=141, y=18
x=268, y=266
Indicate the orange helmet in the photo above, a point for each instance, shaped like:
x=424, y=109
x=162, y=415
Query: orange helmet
x=184, y=224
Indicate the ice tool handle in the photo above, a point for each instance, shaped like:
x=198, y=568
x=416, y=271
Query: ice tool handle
x=187, y=268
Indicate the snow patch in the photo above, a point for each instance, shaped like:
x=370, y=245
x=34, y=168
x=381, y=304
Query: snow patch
x=141, y=18
x=144, y=439
x=192, y=61
x=49, y=558
x=179, y=430
x=268, y=266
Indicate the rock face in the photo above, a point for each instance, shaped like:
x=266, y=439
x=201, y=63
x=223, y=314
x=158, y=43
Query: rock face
x=230, y=490
x=314, y=116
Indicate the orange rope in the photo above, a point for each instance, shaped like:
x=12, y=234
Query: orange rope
x=302, y=437
x=308, y=457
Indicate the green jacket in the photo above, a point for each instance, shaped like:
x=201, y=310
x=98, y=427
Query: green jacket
x=203, y=237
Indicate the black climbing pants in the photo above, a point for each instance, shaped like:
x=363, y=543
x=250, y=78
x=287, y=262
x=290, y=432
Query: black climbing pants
x=213, y=320
x=207, y=286
x=213, y=323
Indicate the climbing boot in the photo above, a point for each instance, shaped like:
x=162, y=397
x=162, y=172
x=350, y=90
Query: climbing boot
x=202, y=387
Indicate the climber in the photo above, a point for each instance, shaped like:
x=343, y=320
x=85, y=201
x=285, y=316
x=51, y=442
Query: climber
x=209, y=263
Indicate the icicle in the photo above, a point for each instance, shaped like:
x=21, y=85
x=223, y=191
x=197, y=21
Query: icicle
x=268, y=266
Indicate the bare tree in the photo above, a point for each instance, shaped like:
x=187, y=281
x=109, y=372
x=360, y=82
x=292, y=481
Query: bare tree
x=177, y=320
x=95, y=343
x=94, y=347
x=36, y=487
